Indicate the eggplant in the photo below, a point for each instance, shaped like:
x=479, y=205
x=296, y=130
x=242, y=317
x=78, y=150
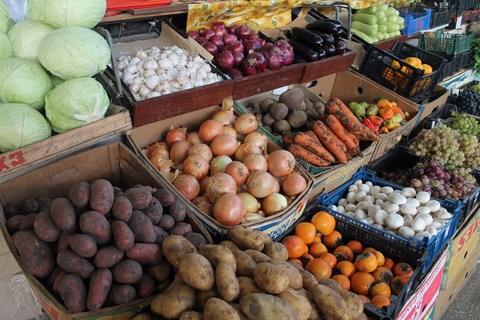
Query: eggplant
x=340, y=46
x=327, y=37
x=336, y=22
x=324, y=26
x=288, y=34
x=330, y=49
x=307, y=37
x=322, y=54
x=304, y=51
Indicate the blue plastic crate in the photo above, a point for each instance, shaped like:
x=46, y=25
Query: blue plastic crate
x=415, y=21
x=432, y=245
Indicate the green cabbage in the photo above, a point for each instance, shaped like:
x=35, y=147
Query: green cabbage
x=5, y=21
x=23, y=81
x=76, y=102
x=74, y=52
x=33, y=10
x=5, y=46
x=21, y=125
x=68, y=13
x=26, y=36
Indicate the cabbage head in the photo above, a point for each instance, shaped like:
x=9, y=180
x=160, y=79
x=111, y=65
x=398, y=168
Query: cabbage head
x=5, y=47
x=33, y=10
x=69, y=13
x=75, y=103
x=21, y=125
x=26, y=36
x=74, y=52
x=5, y=21
x=23, y=81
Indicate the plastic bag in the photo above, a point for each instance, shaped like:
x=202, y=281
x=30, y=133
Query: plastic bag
x=23, y=296
x=17, y=9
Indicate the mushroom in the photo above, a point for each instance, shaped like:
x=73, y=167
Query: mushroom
x=408, y=209
x=433, y=205
x=380, y=216
x=360, y=214
x=397, y=198
x=413, y=202
x=425, y=216
x=423, y=197
x=353, y=188
x=409, y=192
x=423, y=210
x=386, y=190
x=394, y=221
x=390, y=207
x=350, y=207
x=406, y=232
x=407, y=220
x=418, y=224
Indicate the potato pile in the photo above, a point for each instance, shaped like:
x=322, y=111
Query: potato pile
x=99, y=246
x=292, y=111
x=246, y=277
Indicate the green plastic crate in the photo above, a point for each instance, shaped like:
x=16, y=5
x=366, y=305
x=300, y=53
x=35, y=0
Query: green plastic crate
x=446, y=42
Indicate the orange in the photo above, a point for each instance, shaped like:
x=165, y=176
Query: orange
x=395, y=64
x=380, y=301
x=427, y=69
x=306, y=231
x=416, y=62
x=324, y=222
x=380, y=288
x=342, y=280
x=332, y=240
x=330, y=258
x=319, y=268
x=295, y=246
x=360, y=282
x=317, y=249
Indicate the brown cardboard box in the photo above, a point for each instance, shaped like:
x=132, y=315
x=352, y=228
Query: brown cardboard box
x=117, y=120
x=441, y=95
x=113, y=162
x=274, y=225
x=170, y=105
x=351, y=86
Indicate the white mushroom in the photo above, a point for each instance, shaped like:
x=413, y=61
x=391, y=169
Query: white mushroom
x=358, y=182
x=350, y=207
x=425, y=216
x=423, y=210
x=409, y=192
x=390, y=207
x=423, y=197
x=364, y=221
x=413, y=202
x=342, y=202
x=444, y=215
x=379, y=202
x=381, y=196
x=386, y=190
x=379, y=226
x=369, y=220
x=406, y=232
x=436, y=224
x=341, y=209
x=380, y=216
x=353, y=188
x=363, y=205
x=369, y=183
x=374, y=190
x=360, y=214
x=408, y=220
x=334, y=207
x=433, y=205
x=351, y=197
x=368, y=199
x=408, y=209
x=394, y=221
x=373, y=209
x=418, y=224
x=360, y=195
x=422, y=234
x=397, y=198
x=431, y=230
x=350, y=214
x=364, y=188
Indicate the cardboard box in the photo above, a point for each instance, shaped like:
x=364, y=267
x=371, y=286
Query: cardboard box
x=113, y=162
x=170, y=105
x=351, y=86
x=463, y=252
x=440, y=95
x=274, y=225
x=117, y=120
x=422, y=301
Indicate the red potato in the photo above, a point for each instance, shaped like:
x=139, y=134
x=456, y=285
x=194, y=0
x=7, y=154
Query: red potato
x=100, y=285
x=142, y=227
x=122, y=293
x=94, y=224
x=140, y=197
x=27, y=223
x=13, y=223
x=73, y=263
x=127, y=271
x=82, y=245
x=154, y=211
x=122, y=208
x=79, y=194
x=45, y=228
x=101, y=196
x=145, y=286
x=73, y=292
x=62, y=213
x=35, y=255
x=107, y=257
x=123, y=235
x=146, y=253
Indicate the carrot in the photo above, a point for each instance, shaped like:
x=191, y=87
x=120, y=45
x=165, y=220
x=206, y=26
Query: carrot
x=341, y=133
x=354, y=138
x=361, y=131
x=308, y=156
x=288, y=138
x=331, y=107
x=312, y=135
x=304, y=140
x=328, y=140
x=369, y=133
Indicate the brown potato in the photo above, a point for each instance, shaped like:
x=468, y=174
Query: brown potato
x=146, y=253
x=298, y=301
x=226, y=282
x=62, y=213
x=354, y=303
x=175, y=247
x=101, y=196
x=123, y=235
x=308, y=279
x=191, y=315
x=217, y=254
x=257, y=255
x=107, y=257
x=217, y=309
x=82, y=245
x=145, y=286
x=100, y=285
x=330, y=304
x=79, y=194
x=270, y=278
x=95, y=225
x=140, y=197
x=245, y=264
x=161, y=271
x=174, y=301
x=142, y=227
x=45, y=229
x=203, y=296
x=35, y=255
x=122, y=208
x=314, y=313
x=247, y=286
x=263, y=306
x=230, y=245
x=276, y=250
x=73, y=263
x=127, y=271
x=196, y=271
x=73, y=293
x=122, y=293
x=246, y=238
x=295, y=280
x=142, y=316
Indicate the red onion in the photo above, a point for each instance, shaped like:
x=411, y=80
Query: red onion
x=287, y=51
x=201, y=40
x=210, y=47
x=243, y=32
x=217, y=40
x=237, y=58
x=236, y=47
x=233, y=28
x=235, y=73
x=207, y=33
x=218, y=24
x=193, y=34
x=251, y=46
x=229, y=39
x=225, y=60
x=219, y=31
x=274, y=57
x=254, y=63
x=256, y=37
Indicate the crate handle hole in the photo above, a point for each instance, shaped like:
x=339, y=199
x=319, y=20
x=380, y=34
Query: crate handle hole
x=465, y=255
x=359, y=90
x=466, y=275
x=312, y=84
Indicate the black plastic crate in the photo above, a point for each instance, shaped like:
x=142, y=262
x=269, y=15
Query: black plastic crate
x=403, y=78
x=353, y=230
x=466, y=59
x=440, y=18
x=461, y=5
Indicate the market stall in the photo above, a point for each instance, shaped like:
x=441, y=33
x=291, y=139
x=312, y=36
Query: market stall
x=237, y=159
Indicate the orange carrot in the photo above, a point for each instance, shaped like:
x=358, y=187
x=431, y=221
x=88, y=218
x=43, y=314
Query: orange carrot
x=328, y=140
x=307, y=156
x=341, y=133
x=361, y=131
x=369, y=133
x=288, y=138
x=354, y=138
x=312, y=135
x=304, y=140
